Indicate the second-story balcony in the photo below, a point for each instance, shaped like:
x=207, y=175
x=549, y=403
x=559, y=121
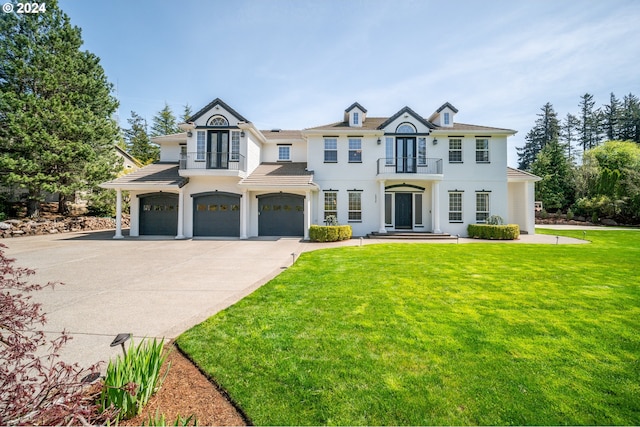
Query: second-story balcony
x=212, y=161
x=409, y=165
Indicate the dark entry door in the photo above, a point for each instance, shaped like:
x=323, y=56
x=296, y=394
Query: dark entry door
x=404, y=202
x=218, y=150
x=281, y=215
x=406, y=154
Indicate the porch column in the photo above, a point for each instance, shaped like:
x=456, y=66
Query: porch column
x=435, y=206
x=244, y=214
x=381, y=207
x=528, y=211
x=118, y=234
x=307, y=214
x=180, y=214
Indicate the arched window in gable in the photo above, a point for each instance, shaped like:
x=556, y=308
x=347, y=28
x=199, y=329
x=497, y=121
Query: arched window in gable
x=218, y=120
x=406, y=128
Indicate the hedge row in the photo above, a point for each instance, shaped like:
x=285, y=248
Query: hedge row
x=329, y=233
x=495, y=232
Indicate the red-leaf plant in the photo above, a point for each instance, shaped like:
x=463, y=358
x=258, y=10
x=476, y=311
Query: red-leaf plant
x=36, y=388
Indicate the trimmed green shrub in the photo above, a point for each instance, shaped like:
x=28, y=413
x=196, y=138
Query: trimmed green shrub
x=494, y=232
x=329, y=233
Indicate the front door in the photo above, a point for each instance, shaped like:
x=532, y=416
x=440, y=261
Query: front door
x=404, y=207
x=405, y=154
x=218, y=150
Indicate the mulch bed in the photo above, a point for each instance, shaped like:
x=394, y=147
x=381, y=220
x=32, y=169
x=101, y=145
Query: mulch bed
x=187, y=391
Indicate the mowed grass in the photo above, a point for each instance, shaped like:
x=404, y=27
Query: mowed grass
x=424, y=334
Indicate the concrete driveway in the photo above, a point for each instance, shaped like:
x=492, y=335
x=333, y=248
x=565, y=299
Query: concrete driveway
x=148, y=287
x=154, y=287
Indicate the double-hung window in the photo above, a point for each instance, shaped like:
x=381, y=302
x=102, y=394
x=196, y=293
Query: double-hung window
x=455, y=206
x=356, y=118
x=482, y=151
x=388, y=150
x=422, y=151
x=201, y=146
x=455, y=150
x=355, y=206
x=331, y=150
x=482, y=207
x=284, y=153
x=330, y=204
x=235, y=146
x=355, y=150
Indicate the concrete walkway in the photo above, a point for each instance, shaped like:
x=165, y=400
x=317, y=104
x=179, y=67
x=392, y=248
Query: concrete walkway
x=154, y=287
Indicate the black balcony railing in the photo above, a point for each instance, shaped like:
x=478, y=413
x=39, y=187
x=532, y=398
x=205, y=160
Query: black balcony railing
x=213, y=160
x=410, y=165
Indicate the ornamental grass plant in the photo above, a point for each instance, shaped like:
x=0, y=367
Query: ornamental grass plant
x=132, y=379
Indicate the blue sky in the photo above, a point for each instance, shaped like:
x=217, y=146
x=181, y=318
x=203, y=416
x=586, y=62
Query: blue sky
x=292, y=64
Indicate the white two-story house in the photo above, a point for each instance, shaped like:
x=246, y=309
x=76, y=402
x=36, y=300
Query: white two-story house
x=224, y=177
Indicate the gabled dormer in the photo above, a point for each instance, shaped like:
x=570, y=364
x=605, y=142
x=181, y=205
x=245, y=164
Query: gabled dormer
x=443, y=116
x=394, y=123
x=355, y=115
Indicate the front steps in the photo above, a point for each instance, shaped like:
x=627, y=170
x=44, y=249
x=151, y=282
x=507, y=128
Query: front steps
x=410, y=235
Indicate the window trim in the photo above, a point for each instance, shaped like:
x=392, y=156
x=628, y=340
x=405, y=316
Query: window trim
x=334, y=211
x=355, y=154
x=351, y=207
x=460, y=194
x=330, y=150
x=201, y=151
x=455, y=150
x=288, y=147
x=234, y=155
x=486, y=158
x=486, y=212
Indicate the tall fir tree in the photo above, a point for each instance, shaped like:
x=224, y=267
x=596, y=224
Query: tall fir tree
x=589, y=123
x=569, y=134
x=557, y=189
x=630, y=119
x=56, y=128
x=545, y=130
x=186, y=113
x=164, y=123
x=611, y=114
x=137, y=140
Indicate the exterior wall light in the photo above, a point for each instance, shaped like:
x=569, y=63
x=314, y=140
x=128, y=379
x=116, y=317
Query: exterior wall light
x=189, y=133
x=435, y=141
x=379, y=141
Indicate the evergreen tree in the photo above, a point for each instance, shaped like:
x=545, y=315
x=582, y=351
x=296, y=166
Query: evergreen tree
x=137, y=139
x=545, y=130
x=612, y=114
x=164, y=123
x=589, y=122
x=187, y=113
x=56, y=130
x=630, y=119
x=569, y=134
x=557, y=188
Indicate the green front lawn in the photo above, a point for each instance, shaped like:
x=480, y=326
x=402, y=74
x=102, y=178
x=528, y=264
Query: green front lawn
x=420, y=334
